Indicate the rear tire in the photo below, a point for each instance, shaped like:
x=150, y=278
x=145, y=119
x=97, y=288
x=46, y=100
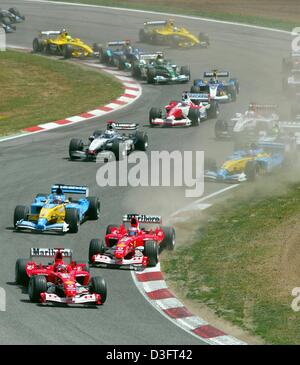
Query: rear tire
x=141, y=143
x=184, y=70
x=67, y=51
x=72, y=220
x=251, y=170
x=151, y=73
x=37, y=45
x=195, y=89
x=21, y=212
x=169, y=240
x=98, y=286
x=194, y=116
x=94, y=208
x=21, y=276
x=118, y=150
x=151, y=251
x=97, y=247
x=37, y=285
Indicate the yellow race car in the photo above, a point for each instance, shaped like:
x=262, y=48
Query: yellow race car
x=62, y=44
x=166, y=33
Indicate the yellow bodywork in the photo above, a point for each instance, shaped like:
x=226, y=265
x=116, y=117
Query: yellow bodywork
x=170, y=30
x=236, y=166
x=80, y=48
x=53, y=214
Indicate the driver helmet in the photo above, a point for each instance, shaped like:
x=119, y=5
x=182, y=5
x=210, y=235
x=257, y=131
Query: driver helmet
x=132, y=231
x=68, y=38
x=58, y=199
x=159, y=59
x=62, y=268
x=64, y=32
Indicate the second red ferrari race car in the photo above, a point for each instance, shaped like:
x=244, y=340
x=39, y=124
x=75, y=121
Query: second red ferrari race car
x=59, y=281
x=134, y=246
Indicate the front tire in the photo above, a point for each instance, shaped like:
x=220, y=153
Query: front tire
x=74, y=146
x=141, y=143
x=21, y=276
x=151, y=251
x=98, y=286
x=72, y=220
x=67, y=51
x=94, y=208
x=194, y=116
x=21, y=212
x=153, y=114
x=97, y=247
x=37, y=285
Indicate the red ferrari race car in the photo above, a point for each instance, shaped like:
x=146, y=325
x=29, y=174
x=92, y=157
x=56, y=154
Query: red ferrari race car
x=59, y=281
x=132, y=247
x=189, y=112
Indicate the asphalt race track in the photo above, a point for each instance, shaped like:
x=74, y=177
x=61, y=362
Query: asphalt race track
x=31, y=164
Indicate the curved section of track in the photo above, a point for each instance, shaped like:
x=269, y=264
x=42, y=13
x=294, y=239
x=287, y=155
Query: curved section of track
x=31, y=164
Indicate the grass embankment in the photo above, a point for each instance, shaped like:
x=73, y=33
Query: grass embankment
x=244, y=261
x=37, y=90
x=268, y=13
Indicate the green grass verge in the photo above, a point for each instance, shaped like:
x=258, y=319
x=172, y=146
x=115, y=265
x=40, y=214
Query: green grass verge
x=237, y=18
x=244, y=262
x=37, y=90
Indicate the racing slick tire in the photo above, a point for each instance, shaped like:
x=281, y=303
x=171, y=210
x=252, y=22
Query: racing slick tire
x=72, y=220
x=204, y=38
x=153, y=114
x=195, y=89
x=251, y=170
x=21, y=276
x=210, y=164
x=74, y=146
x=142, y=36
x=194, y=116
x=136, y=71
x=214, y=110
x=96, y=247
x=169, y=240
x=151, y=73
x=94, y=208
x=98, y=286
x=141, y=143
x=21, y=212
x=151, y=251
x=185, y=70
x=220, y=127
x=37, y=285
x=67, y=51
x=118, y=149
x=37, y=45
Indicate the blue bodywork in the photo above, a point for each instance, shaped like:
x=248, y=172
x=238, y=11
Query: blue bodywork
x=47, y=202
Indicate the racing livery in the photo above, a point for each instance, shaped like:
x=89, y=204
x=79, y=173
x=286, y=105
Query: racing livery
x=144, y=61
x=220, y=90
x=132, y=247
x=166, y=33
x=62, y=44
x=108, y=145
x=189, y=112
x=59, y=281
x=56, y=212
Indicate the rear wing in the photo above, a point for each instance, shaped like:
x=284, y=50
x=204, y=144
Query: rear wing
x=50, y=252
x=195, y=96
x=263, y=107
x=126, y=126
x=142, y=218
x=70, y=189
x=216, y=74
x=118, y=43
x=272, y=145
x=150, y=56
x=157, y=22
x=50, y=32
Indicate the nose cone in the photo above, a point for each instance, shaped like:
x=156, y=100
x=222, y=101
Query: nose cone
x=41, y=224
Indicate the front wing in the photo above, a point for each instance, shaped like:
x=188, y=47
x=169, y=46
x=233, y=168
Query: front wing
x=83, y=299
x=106, y=261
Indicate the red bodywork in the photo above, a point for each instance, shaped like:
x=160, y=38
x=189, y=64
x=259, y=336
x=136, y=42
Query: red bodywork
x=67, y=280
x=126, y=246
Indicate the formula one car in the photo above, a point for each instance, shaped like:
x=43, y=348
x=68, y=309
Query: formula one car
x=6, y=23
x=268, y=154
x=140, y=66
x=13, y=15
x=132, y=247
x=166, y=33
x=292, y=62
x=109, y=145
x=57, y=212
x=165, y=72
x=189, y=112
x=258, y=117
x=118, y=53
x=62, y=44
x=222, y=91
x=291, y=84
x=59, y=281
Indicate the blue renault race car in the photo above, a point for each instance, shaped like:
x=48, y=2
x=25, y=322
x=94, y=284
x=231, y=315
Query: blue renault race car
x=220, y=90
x=58, y=212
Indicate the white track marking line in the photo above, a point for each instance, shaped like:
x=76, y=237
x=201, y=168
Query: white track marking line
x=166, y=14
